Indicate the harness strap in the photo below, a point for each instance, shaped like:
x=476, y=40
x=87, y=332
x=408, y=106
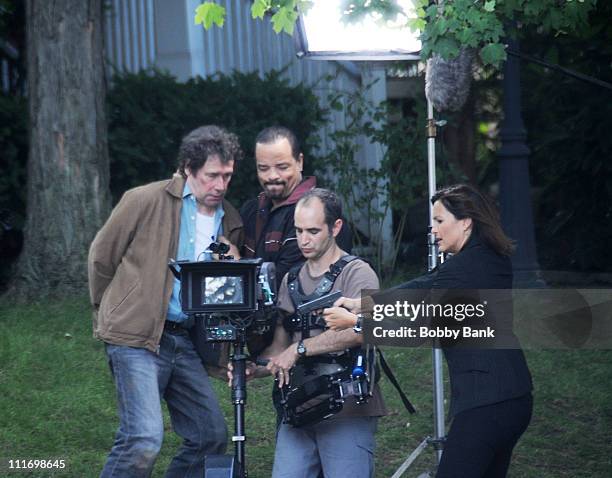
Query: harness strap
x=325, y=285
x=295, y=323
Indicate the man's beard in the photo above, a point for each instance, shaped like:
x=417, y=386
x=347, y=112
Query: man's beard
x=278, y=195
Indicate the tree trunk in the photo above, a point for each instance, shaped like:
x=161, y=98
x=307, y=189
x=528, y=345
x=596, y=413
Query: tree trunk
x=68, y=168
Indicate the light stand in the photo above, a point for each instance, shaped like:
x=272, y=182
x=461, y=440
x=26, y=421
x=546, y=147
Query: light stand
x=436, y=355
x=394, y=51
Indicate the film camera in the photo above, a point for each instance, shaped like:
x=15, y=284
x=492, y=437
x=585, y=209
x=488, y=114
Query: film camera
x=230, y=296
x=229, y=300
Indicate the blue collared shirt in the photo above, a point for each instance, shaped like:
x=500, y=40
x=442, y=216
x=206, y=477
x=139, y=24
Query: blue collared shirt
x=186, y=246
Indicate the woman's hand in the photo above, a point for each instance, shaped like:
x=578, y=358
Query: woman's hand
x=353, y=305
x=338, y=318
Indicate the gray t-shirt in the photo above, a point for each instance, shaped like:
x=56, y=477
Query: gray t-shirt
x=356, y=276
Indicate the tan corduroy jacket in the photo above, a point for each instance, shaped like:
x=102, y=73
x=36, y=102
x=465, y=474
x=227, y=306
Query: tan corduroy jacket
x=129, y=281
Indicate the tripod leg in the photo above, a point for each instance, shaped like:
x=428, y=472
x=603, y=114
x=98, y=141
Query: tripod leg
x=413, y=456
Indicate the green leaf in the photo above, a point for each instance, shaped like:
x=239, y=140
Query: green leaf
x=493, y=54
x=305, y=5
x=284, y=20
x=447, y=47
x=417, y=24
x=259, y=8
x=489, y=6
x=209, y=13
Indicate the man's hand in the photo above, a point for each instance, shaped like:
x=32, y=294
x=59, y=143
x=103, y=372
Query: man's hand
x=338, y=318
x=250, y=369
x=281, y=364
x=233, y=250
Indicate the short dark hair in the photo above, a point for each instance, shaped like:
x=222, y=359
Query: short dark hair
x=332, y=207
x=204, y=142
x=464, y=201
x=274, y=133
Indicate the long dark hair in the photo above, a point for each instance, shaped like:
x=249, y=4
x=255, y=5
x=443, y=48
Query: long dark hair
x=464, y=201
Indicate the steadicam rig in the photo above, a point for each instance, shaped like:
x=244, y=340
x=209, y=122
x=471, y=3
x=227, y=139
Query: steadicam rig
x=233, y=298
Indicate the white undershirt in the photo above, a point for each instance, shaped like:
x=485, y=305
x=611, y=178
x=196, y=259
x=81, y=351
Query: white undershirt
x=205, y=234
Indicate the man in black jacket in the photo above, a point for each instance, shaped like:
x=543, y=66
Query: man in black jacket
x=268, y=218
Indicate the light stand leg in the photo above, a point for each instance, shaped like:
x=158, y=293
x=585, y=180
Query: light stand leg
x=438, y=401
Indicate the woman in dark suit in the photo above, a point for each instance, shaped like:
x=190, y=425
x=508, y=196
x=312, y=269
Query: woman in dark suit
x=491, y=401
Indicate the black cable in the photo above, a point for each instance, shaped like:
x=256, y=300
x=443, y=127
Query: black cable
x=566, y=71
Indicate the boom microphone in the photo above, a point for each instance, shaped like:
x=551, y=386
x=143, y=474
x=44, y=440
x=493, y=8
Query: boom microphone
x=447, y=82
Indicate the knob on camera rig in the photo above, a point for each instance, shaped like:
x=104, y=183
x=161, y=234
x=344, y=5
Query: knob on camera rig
x=233, y=298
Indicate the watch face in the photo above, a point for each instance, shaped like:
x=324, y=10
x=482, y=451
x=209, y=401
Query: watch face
x=301, y=349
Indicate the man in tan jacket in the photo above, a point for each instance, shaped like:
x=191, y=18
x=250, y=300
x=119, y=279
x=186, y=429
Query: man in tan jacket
x=137, y=310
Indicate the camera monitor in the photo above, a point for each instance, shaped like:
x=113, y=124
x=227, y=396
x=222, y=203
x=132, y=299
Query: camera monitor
x=219, y=286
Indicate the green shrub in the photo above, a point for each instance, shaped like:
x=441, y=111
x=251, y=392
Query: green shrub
x=571, y=147
x=150, y=112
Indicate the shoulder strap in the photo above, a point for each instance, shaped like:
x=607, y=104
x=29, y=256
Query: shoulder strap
x=332, y=274
x=394, y=382
x=293, y=284
x=294, y=287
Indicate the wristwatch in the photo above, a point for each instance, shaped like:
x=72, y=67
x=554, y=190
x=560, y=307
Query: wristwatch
x=301, y=349
x=358, y=327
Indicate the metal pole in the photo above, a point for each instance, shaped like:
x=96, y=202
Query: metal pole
x=514, y=188
x=438, y=374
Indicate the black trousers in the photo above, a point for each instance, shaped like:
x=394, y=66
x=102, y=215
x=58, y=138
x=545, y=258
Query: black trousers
x=480, y=440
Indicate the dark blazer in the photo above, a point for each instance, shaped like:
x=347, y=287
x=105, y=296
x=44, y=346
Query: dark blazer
x=479, y=376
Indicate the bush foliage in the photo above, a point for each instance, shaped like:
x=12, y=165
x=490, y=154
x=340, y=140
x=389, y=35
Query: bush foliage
x=571, y=146
x=150, y=112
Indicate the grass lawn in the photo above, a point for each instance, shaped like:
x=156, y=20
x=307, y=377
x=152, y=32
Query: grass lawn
x=57, y=402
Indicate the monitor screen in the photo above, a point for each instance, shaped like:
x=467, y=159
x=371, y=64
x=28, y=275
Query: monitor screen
x=217, y=290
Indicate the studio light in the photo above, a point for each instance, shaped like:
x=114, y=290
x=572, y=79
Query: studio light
x=323, y=33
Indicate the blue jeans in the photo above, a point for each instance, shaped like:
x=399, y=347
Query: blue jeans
x=339, y=448
x=142, y=378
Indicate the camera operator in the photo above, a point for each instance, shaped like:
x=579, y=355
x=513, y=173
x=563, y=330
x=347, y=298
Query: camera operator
x=344, y=444
x=137, y=311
